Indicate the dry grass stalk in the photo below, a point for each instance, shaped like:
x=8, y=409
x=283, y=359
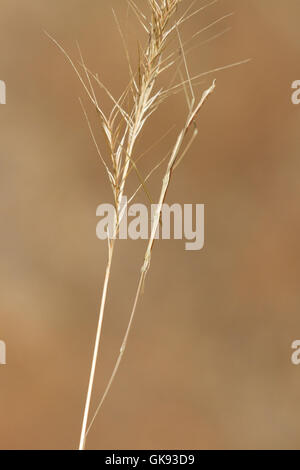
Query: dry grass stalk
x=121, y=129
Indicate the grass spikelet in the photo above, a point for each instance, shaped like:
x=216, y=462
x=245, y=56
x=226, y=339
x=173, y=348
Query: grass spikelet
x=123, y=125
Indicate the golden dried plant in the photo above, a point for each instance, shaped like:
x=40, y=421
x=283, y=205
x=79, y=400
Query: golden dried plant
x=122, y=126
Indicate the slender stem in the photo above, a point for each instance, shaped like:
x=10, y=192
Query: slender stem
x=174, y=158
x=96, y=347
x=122, y=350
x=144, y=269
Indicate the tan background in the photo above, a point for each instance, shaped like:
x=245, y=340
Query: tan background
x=208, y=362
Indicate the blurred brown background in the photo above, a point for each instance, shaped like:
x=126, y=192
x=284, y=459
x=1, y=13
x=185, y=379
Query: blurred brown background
x=208, y=361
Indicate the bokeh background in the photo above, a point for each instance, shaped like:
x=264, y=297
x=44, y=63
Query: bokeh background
x=208, y=362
